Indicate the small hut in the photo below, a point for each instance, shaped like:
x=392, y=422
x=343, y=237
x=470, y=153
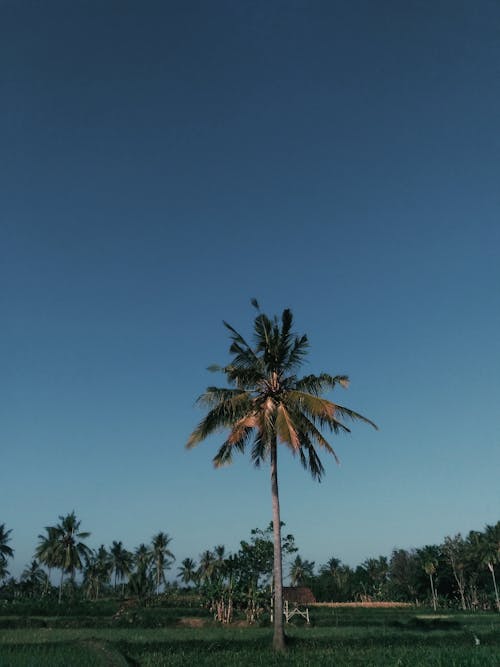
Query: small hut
x=296, y=598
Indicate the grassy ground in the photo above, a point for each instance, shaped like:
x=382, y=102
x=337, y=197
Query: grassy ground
x=344, y=637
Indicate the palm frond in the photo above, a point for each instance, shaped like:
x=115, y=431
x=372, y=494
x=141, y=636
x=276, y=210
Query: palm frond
x=312, y=404
x=215, y=368
x=307, y=430
x=355, y=416
x=309, y=458
x=262, y=331
x=260, y=449
x=223, y=415
x=236, y=441
x=239, y=344
x=216, y=395
x=315, y=466
x=285, y=429
x=297, y=351
x=316, y=384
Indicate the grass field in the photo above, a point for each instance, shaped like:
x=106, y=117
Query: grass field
x=174, y=637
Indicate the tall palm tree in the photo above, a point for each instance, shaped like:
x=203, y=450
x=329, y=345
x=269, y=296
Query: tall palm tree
x=121, y=561
x=266, y=401
x=5, y=551
x=69, y=551
x=161, y=557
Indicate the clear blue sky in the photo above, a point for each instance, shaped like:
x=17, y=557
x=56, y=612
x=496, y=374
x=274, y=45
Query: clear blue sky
x=164, y=162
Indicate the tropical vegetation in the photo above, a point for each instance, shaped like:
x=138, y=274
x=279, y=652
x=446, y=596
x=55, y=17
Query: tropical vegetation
x=459, y=573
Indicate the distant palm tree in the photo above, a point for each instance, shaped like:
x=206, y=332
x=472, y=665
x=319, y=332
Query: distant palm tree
x=187, y=571
x=207, y=566
x=121, y=561
x=34, y=578
x=300, y=571
x=140, y=581
x=266, y=402
x=487, y=548
x=429, y=560
x=374, y=573
x=161, y=557
x=219, y=554
x=67, y=550
x=5, y=551
x=46, y=551
x=97, y=572
x=142, y=557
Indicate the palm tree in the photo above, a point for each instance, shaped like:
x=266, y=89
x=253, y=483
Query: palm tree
x=34, y=578
x=429, y=561
x=142, y=557
x=373, y=576
x=97, y=573
x=5, y=551
x=187, y=571
x=162, y=557
x=207, y=566
x=140, y=582
x=68, y=552
x=300, y=571
x=45, y=551
x=429, y=566
x=121, y=561
x=266, y=401
x=487, y=547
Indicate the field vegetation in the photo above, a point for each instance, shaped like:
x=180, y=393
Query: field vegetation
x=169, y=633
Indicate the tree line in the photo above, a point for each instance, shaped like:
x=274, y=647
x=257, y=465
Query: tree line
x=460, y=572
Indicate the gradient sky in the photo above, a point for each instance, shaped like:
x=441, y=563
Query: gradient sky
x=164, y=162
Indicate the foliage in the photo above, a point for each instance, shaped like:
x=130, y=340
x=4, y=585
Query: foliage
x=463, y=574
x=5, y=551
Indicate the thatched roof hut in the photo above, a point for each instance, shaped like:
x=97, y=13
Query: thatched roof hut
x=298, y=594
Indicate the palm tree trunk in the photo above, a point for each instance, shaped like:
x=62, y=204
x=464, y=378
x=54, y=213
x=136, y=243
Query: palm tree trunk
x=61, y=585
x=433, y=593
x=491, y=568
x=460, y=585
x=47, y=583
x=279, y=635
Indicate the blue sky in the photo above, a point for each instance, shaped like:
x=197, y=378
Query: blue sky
x=162, y=164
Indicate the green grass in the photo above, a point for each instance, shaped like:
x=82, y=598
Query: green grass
x=343, y=637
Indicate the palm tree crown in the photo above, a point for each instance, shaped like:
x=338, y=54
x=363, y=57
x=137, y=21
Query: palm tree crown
x=266, y=404
x=267, y=400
